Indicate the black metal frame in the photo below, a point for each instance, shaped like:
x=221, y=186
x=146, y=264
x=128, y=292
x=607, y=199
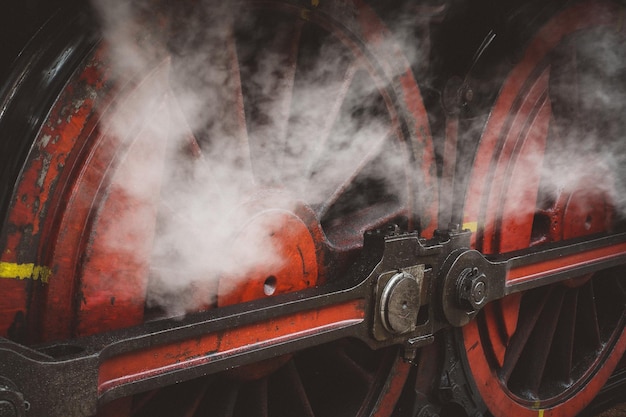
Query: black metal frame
x=62, y=379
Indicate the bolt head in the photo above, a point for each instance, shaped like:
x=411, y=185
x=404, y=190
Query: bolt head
x=472, y=289
x=479, y=292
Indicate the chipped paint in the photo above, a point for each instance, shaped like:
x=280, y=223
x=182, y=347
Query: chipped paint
x=10, y=270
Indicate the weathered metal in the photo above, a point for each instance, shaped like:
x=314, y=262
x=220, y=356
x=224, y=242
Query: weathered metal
x=513, y=276
x=120, y=363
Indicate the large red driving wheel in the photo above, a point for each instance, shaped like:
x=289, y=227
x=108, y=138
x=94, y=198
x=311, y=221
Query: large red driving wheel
x=540, y=175
x=323, y=120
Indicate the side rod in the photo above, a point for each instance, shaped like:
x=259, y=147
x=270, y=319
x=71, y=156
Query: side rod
x=562, y=261
x=471, y=280
x=446, y=284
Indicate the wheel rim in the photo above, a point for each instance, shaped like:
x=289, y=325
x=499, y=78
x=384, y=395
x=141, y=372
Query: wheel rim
x=549, y=350
x=91, y=198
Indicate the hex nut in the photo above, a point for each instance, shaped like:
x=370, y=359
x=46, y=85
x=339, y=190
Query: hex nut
x=472, y=289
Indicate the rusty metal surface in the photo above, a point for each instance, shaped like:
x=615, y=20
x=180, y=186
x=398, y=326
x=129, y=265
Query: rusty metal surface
x=66, y=282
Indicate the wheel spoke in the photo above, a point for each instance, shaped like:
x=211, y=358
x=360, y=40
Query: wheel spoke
x=193, y=404
x=285, y=92
x=529, y=314
x=188, y=164
x=328, y=118
x=259, y=399
x=510, y=311
x=352, y=367
x=363, y=125
x=563, y=343
x=494, y=325
x=223, y=398
x=538, y=346
x=325, y=69
x=209, y=100
x=140, y=402
x=501, y=318
x=332, y=184
x=588, y=317
x=228, y=149
x=187, y=139
x=243, y=159
x=268, y=71
x=182, y=401
x=296, y=382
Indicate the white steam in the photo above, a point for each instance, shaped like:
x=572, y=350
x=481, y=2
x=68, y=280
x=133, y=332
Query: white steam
x=246, y=115
x=234, y=130
x=563, y=135
x=588, y=98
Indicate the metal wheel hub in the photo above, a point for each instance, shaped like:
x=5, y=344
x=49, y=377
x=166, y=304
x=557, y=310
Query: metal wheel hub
x=290, y=242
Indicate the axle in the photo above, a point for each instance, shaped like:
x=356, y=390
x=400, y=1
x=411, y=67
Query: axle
x=402, y=291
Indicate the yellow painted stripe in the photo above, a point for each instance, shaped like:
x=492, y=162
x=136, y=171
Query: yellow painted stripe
x=540, y=413
x=472, y=226
x=11, y=270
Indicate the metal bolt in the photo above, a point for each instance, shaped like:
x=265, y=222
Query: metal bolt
x=472, y=289
x=479, y=290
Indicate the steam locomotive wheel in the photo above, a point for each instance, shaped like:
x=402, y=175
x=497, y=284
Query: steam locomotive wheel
x=548, y=351
x=93, y=172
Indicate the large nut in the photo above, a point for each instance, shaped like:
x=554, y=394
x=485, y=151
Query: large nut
x=472, y=289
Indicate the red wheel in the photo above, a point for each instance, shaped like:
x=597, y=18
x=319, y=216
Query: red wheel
x=118, y=160
x=547, y=352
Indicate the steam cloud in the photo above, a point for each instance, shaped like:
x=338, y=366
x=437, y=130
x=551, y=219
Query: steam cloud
x=229, y=120
x=234, y=130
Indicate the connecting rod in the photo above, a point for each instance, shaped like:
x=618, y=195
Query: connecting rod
x=401, y=292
